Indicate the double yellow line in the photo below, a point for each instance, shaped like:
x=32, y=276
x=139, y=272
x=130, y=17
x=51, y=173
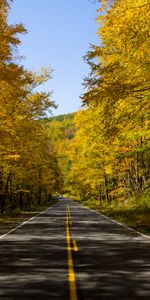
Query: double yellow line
x=71, y=273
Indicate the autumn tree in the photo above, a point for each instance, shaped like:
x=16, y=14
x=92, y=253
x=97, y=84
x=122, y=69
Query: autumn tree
x=60, y=131
x=27, y=163
x=117, y=102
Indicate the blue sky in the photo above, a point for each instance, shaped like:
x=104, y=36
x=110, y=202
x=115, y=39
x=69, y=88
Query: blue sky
x=59, y=34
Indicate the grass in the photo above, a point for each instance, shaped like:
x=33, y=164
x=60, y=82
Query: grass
x=9, y=221
x=134, y=216
x=137, y=218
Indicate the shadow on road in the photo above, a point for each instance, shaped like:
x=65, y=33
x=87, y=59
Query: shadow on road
x=34, y=260
x=113, y=262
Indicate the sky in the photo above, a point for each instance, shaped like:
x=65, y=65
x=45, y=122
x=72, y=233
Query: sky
x=59, y=35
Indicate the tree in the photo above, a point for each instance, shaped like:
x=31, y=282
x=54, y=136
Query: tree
x=114, y=130
x=26, y=158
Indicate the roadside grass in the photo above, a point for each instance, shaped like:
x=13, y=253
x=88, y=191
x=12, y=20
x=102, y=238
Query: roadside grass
x=137, y=218
x=135, y=215
x=10, y=220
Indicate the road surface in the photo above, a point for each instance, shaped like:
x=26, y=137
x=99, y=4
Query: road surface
x=72, y=253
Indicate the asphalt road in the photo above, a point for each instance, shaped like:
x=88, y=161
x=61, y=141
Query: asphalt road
x=112, y=262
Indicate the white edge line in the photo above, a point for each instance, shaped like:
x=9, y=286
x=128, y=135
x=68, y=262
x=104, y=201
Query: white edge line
x=23, y=223
x=114, y=221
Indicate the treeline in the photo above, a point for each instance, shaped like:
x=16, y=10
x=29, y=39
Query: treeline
x=29, y=170
x=101, y=152
x=110, y=152
x=59, y=118
x=60, y=131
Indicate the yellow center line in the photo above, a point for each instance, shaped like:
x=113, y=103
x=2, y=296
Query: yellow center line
x=75, y=247
x=71, y=273
x=68, y=209
x=69, y=216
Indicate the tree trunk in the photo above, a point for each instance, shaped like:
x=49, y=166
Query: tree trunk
x=99, y=195
x=6, y=190
x=21, y=200
x=105, y=189
x=39, y=195
x=39, y=188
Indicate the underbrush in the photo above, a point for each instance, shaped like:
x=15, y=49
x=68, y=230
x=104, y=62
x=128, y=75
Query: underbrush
x=132, y=212
x=19, y=215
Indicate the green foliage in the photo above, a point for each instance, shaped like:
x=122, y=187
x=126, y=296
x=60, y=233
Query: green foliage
x=60, y=131
x=59, y=118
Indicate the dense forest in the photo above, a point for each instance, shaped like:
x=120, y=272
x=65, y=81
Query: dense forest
x=109, y=152
x=29, y=170
x=101, y=152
